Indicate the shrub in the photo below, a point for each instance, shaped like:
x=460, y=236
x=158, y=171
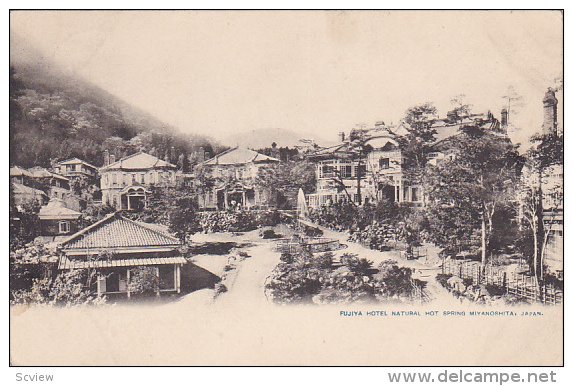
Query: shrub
x=239, y=221
x=269, y=234
x=144, y=281
x=359, y=266
x=443, y=278
x=308, y=278
x=287, y=258
x=66, y=289
x=324, y=261
x=397, y=280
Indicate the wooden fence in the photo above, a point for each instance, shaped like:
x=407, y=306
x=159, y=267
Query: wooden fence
x=310, y=244
x=519, y=284
x=418, y=292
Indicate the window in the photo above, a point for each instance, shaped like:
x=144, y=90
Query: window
x=114, y=178
x=406, y=195
x=326, y=171
x=384, y=163
x=346, y=171
x=64, y=227
x=415, y=195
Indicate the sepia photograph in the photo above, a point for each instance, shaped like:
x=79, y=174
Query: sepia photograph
x=286, y=188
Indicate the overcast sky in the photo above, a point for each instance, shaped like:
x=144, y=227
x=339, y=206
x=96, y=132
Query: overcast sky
x=219, y=73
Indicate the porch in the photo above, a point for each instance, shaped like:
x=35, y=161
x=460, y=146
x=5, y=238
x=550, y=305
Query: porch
x=114, y=276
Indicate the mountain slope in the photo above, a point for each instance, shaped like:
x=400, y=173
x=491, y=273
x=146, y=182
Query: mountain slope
x=56, y=115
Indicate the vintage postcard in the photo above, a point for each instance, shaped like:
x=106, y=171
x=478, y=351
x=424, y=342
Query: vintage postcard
x=349, y=188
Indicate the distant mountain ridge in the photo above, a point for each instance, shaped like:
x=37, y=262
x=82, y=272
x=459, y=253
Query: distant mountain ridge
x=263, y=138
x=56, y=115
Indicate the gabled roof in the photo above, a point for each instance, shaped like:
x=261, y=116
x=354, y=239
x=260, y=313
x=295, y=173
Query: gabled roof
x=16, y=171
x=138, y=161
x=75, y=160
x=117, y=232
x=23, y=189
x=239, y=156
x=40, y=172
x=56, y=210
x=378, y=138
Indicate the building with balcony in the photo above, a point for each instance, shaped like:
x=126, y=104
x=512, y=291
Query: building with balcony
x=341, y=175
x=233, y=173
x=75, y=167
x=379, y=174
x=125, y=184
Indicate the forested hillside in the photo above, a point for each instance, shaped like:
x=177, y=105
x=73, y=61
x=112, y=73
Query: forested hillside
x=55, y=115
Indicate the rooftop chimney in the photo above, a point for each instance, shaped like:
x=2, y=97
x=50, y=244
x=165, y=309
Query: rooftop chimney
x=549, y=112
x=503, y=117
x=341, y=136
x=105, y=157
x=112, y=158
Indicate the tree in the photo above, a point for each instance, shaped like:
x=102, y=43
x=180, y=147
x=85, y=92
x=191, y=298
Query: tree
x=417, y=143
x=16, y=90
x=24, y=222
x=183, y=217
x=460, y=109
x=357, y=151
x=286, y=178
x=546, y=154
x=513, y=101
x=476, y=182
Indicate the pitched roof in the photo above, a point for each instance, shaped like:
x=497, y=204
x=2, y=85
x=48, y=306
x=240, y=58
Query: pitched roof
x=56, y=210
x=117, y=232
x=23, y=189
x=239, y=156
x=75, y=160
x=137, y=161
x=40, y=172
x=16, y=171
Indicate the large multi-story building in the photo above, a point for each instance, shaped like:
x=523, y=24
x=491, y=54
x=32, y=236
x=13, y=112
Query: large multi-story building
x=234, y=172
x=379, y=174
x=75, y=167
x=125, y=183
x=342, y=176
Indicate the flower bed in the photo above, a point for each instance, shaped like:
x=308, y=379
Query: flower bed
x=304, y=278
x=376, y=236
x=239, y=221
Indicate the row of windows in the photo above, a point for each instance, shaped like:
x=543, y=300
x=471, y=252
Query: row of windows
x=343, y=171
x=130, y=178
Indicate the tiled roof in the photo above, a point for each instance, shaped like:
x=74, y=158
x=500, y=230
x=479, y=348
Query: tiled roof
x=23, y=189
x=137, y=161
x=56, y=210
x=66, y=263
x=116, y=231
x=40, y=172
x=73, y=161
x=239, y=156
x=17, y=171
